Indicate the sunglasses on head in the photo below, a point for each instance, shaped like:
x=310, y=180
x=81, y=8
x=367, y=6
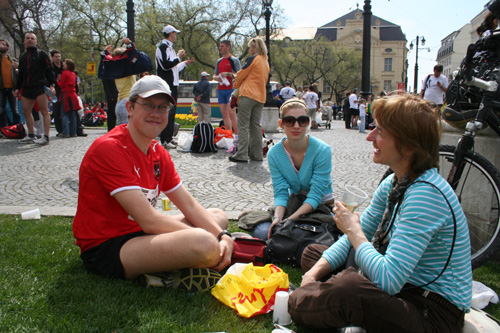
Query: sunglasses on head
x=289, y=121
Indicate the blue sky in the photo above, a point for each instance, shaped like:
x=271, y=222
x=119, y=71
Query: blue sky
x=433, y=19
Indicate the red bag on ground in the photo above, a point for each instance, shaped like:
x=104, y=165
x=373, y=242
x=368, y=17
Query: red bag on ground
x=14, y=131
x=248, y=250
x=222, y=132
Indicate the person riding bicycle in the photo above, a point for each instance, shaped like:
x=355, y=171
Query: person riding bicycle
x=411, y=243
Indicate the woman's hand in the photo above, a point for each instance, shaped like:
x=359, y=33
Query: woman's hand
x=321, y=269
x=346, y=221
x=349, y=224
x=276, y=220
x=308, y=278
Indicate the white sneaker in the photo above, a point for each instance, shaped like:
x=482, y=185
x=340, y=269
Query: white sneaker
x=42, y=141
x=169, y=145
x=27, y=139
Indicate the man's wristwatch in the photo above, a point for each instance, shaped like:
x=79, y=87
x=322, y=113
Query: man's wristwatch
x=222, y=233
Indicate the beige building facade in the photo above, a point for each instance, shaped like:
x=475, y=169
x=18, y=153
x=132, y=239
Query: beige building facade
x=388, y=56
x=454, y=46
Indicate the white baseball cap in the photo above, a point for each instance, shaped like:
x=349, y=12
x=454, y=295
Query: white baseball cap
x=151, y=85
x=168, y=29
x=204, y=74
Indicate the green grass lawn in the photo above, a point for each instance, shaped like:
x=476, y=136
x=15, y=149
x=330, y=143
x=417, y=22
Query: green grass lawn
x=44, y=287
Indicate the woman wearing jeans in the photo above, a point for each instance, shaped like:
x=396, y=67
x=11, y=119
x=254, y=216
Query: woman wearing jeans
x=68, y=98
x=251, y=81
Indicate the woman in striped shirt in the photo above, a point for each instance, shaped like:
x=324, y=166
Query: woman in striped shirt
x=411, y=244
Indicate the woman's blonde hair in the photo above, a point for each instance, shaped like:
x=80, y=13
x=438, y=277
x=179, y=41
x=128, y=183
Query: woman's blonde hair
x=293, y=103
x=415, y=125
x=259, y=46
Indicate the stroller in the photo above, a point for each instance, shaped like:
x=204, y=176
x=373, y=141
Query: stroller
x=327, y=114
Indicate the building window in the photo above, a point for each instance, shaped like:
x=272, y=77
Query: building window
x=326, y=88
x=388, y=64
x=387, y=85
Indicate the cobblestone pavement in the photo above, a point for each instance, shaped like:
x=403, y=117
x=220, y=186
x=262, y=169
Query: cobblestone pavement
x=46, y=177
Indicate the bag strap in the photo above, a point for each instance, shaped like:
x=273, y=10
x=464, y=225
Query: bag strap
x=454, y=231
x=425, y=84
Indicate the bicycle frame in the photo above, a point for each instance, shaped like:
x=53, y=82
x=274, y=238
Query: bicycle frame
x=486, y=115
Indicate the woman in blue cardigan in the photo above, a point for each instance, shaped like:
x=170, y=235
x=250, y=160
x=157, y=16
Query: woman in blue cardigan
x=299, y=164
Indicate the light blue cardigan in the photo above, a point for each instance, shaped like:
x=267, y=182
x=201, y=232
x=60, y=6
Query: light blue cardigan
x=313, y=177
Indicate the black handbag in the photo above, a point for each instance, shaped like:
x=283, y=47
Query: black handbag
x=290, y=237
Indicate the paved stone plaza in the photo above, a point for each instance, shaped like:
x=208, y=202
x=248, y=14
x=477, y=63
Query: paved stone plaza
x=46, y=177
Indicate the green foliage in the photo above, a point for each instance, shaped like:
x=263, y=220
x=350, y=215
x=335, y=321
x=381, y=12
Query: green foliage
x=82, y=29
x=310, y=61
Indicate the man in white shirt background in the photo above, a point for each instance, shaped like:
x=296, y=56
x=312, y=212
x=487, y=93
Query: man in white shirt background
x=434, y=86
x=287, y=92
x=312, y=102
x=168, y=66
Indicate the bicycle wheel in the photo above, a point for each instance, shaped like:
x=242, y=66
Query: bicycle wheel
x=479, y=194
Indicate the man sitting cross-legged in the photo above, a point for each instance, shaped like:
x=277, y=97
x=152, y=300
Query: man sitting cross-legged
x=120, y=233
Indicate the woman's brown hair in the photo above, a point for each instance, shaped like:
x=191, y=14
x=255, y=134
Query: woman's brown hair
x=70, y=64
x=415, y=125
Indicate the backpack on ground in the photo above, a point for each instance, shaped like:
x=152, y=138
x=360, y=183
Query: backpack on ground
x=203, y=138
x=13, y=132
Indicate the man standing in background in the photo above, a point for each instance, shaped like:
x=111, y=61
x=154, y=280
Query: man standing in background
x=57, y=67
x=354, y=108
x=225, y=69
x=312, y=102
x=434, y=86
x=168, y=66
x=287, y=92
x=35, y=73
x=201, y=92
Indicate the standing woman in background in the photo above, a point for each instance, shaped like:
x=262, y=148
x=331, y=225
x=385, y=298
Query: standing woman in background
x=251, y=81
x=68, y=98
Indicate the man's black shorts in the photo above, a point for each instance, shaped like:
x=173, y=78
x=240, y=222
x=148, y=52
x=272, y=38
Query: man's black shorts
x=33, y=92
x=354, y=112
x=104, y=259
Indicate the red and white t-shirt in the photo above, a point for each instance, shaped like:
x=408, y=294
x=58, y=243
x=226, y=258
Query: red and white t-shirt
x=225, y=66
x=113, y=164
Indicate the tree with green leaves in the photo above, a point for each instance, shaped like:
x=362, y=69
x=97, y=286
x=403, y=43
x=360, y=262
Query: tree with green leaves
x=317, y=60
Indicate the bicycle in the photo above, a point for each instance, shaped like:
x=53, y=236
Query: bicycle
x=474, y=99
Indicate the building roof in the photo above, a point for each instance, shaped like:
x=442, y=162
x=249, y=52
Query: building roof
x=301, y=33
x=388, y=30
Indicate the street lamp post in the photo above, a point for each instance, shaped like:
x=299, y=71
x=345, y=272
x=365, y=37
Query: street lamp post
x=130, y=20
x=270, y=101
x=415, y=78
x=365, y=67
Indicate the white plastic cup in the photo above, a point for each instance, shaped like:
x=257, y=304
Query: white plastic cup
x=353, y=197
x=280, y=314
x=31, y=215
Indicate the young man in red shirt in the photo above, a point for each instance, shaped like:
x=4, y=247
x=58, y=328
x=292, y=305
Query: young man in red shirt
x=117, y=227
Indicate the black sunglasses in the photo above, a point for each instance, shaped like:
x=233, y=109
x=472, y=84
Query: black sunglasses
x=289, y=121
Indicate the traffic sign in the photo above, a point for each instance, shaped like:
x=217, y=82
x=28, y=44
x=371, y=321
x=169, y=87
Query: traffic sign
x=91, y=68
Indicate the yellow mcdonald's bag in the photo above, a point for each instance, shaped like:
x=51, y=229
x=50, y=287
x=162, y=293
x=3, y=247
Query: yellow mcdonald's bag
x=249, y=289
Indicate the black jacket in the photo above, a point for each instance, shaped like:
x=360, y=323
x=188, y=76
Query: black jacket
x=202, y=88
x=35, y=69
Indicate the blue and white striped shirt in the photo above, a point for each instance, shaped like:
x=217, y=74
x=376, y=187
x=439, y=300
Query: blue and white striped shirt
x=420, y=242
